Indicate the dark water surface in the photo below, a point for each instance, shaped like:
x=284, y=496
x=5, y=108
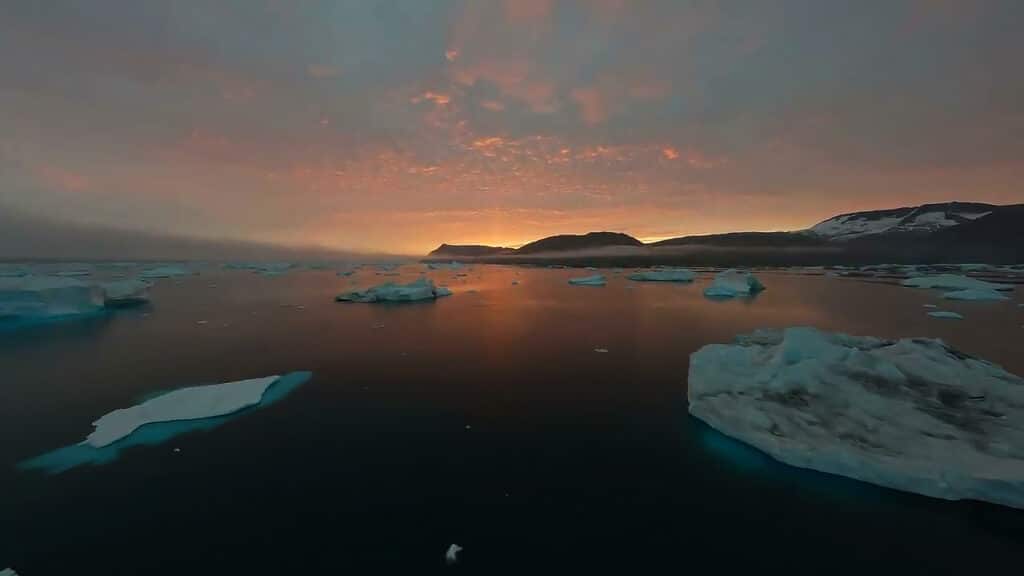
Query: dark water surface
x=484, y=419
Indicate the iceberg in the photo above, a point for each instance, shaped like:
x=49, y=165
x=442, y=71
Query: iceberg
x=664, y=275
x=946, y=315
x=125, y=293
x=732, y=283
x=453, y=265
x=910, y=414
x=165, y=272
x=451, y=556
x=42, y=297
x=953, y=282
x=195, y=409
x=191, y=403
x=8, y=572
x=421, y=289
x=595, y=280
x=974, y=294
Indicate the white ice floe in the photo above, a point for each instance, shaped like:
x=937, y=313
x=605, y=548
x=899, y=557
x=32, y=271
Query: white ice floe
x=953, y=282
x=929, y=305
x=421, y=289
x=731, y=283
x=946, y=315
x=911, y=414
x=190, y=403
x=974, y=294
x=165, y=272
x=664, y=275
x=453, y=265
x=125, y=292
x=39, y=297
x=595, y=280
x=8, y=572
x=451, y=556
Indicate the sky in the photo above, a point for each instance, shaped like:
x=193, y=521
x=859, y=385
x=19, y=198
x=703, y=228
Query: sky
x=398, y=125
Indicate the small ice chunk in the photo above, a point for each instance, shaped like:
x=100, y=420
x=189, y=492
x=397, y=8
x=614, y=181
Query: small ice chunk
x=421, y=289
x=125, y=293
x=732, y=283
x=601, y=350
x=183, y=404
x=40, y=297
x=664, y=275
x=974, y=294
x=451, y=556
x=953, y=282
x=929, y=305
x=911, y=414
x=945, y=314
x=595, y=280
x=165, y=272
x=8, y=572
x=515, y=282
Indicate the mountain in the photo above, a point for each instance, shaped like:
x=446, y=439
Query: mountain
x=468, y=250
x=746, y=239
x=575, y=242
x=920, y=220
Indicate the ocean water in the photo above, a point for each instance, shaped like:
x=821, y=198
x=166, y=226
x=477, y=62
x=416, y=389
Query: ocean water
x=485, y=419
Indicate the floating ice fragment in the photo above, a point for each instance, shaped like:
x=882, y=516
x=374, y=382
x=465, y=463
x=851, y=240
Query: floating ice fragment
x=421, y=289
x=44, y=297
x=974, y=294
x=165, y=272
x=595, y=280
x=125, y=293
x=911, y=414
x=929, y=305
x=601, y=350
x=451, y=556
x=945, y=314
x=732, y=283
x=664, y=275
x=953, y=282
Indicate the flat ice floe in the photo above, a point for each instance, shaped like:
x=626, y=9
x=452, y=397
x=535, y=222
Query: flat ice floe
x=946, y=315
x=166, y=416
x=732, y=283
x=953, y=282
x=595, y=280
x=42, y=297
x=910, y=414
x=191, y=403
x=664, y=275
x=421, y=289
x=974, y=294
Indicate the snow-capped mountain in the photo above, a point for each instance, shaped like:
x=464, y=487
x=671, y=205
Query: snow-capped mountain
x=913, y=220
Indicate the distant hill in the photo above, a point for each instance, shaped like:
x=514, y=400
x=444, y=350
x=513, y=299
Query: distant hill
x=745, y=239
x=930, y=233
x=468, y=250
x=575, y=242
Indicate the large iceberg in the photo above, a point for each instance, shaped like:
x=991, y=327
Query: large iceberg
x=595, y=280
x=974, y=294
x=125, y=293
x=953, y=282
x=191, y=403
x=664, y=275
x=41, y=297
x=732, y=283
x=421, y=289
x=911, y=414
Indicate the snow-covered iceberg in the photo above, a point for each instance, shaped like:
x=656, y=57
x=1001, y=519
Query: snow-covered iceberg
x=732, y=283
x=123, y=293
x=166, y=416
x=664, y=275
x=974, y=294
x=191, y=403
x=911, y=414
x=595, y=280
x=42, y=297
x=953, y=282
x=421, y=289
x=165, y=272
